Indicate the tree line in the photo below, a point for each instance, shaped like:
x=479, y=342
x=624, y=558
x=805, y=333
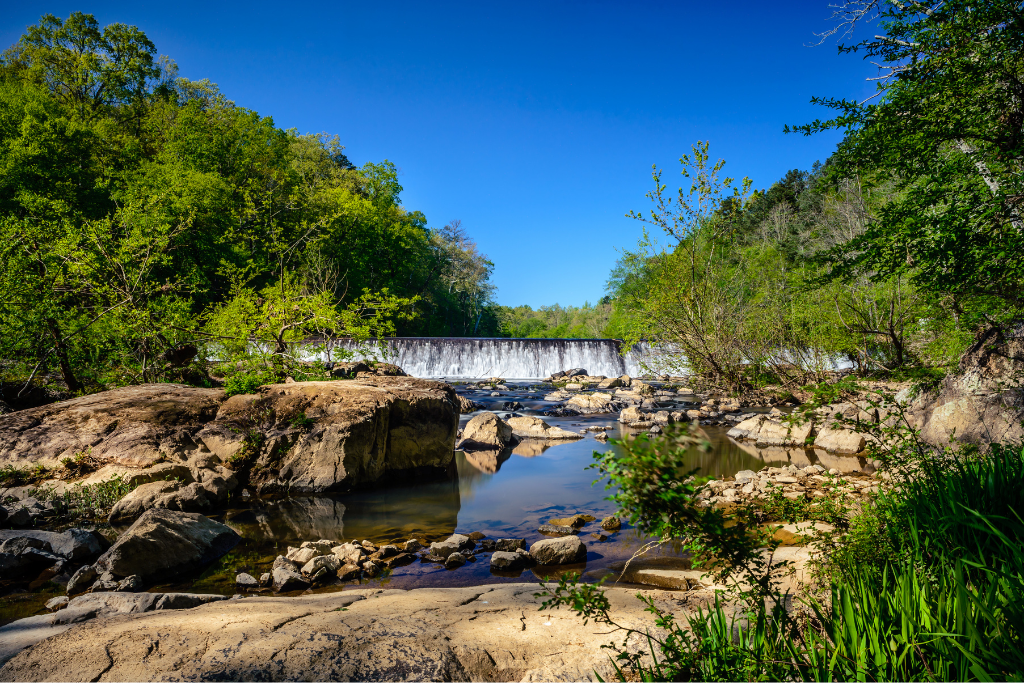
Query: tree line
x=890, y=257
x=147, y=221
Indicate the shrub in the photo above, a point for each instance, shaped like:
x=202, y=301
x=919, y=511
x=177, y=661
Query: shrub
x=248, y=382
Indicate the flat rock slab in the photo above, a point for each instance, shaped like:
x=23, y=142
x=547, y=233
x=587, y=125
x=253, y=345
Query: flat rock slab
x=445, y=634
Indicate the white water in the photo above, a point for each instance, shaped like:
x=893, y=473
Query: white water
x=511, y=358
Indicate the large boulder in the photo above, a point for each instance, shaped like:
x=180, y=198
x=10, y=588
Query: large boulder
x=982, y=401
x=302, y=437
x=162, y=544
x=135, y=426
x=528, y=427
x=485, y=431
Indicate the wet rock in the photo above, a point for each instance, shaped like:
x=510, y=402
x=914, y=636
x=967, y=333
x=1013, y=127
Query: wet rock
x=349, y=572
x=509, y=561
x=556, y=529
x=165, y=544
x=561, y=411
x=412, y=545
x=287, y=580
x=510, y=545
x=598, y=402
x=387, y=551
x=455, y=559
x=576, y=521
x=610, y=383
x=467, y=405
x=399, y=560
x=485, y=431
x=371, y=568
x=511, y=405
x=452, y=544
x=611, y=523
x=477, y=535
x=555, y=551
x=527, y=427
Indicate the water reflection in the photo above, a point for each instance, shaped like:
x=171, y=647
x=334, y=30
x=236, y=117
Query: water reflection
x=494, y=493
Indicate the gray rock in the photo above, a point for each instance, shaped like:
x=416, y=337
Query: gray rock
x=509, y=545
x=59, y=602
x=81, y=579
x=371, y=568
x=485, y=431
x=349, y=572
x=282, y=562
x=506, y=561
x=131, y=584
x=553, y=551
x=164, y=544
x=324, y=562
x=266, y=579
x=387, y=551
x=454, y=560
x=18, y=515
x=412, y=545
x=288, y=580
x=246, y=581
x=611, y=523
x=452, y=544
x=77, y=545
x=557, y=529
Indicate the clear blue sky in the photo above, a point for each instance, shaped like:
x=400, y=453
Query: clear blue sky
x=535, y=123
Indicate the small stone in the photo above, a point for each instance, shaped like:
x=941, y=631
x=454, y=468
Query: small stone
x=412, y=545
x=398, y=560
x=287, y=580
x=265, y=579
x=322, y=562
x=786, y=480
x=599, y=536
x=319, y=575
x=59, y=602
x=301, y=556
x=510, y=545
x=371, y=568
x=556, y=529
x=282, y=562
x=487, y=545
x=246, y=581
x=370, y=547
x=611, y=523
x=387, y=551
x=506, y=561
x=576, y=521
x=454, y=560
x=432, y=558
x=476, y=535
x=131, y=584
x=350, y=572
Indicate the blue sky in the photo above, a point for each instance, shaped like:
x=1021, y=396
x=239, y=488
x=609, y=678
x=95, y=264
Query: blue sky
x=536, y=124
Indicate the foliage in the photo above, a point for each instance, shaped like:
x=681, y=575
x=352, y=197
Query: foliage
x=247, y=382
x=558, y=322
x=945, y=129
x=144, y=216
x=927, y=585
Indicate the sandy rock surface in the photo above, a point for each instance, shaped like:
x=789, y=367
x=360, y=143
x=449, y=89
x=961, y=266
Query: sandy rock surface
x=450, y=634
x=304, y=437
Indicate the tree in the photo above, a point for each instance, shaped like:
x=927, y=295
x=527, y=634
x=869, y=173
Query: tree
x=946, y=127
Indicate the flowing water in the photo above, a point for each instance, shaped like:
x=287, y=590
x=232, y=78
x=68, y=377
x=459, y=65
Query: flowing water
x=499, y=357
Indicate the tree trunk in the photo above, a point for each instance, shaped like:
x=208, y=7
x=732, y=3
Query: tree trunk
x=74, y=386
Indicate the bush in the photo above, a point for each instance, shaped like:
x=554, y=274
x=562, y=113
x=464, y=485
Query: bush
x=927, y=585
x=248, y=382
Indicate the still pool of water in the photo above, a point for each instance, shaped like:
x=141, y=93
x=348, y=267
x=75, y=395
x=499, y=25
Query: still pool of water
x=508, y=495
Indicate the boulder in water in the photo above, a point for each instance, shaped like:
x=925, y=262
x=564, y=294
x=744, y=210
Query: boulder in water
x=527, y=427
x=485, y=431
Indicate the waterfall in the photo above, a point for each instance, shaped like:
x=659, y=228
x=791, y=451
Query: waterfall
x=473, y=357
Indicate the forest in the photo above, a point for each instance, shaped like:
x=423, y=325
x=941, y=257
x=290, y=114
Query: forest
x=146, y=221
